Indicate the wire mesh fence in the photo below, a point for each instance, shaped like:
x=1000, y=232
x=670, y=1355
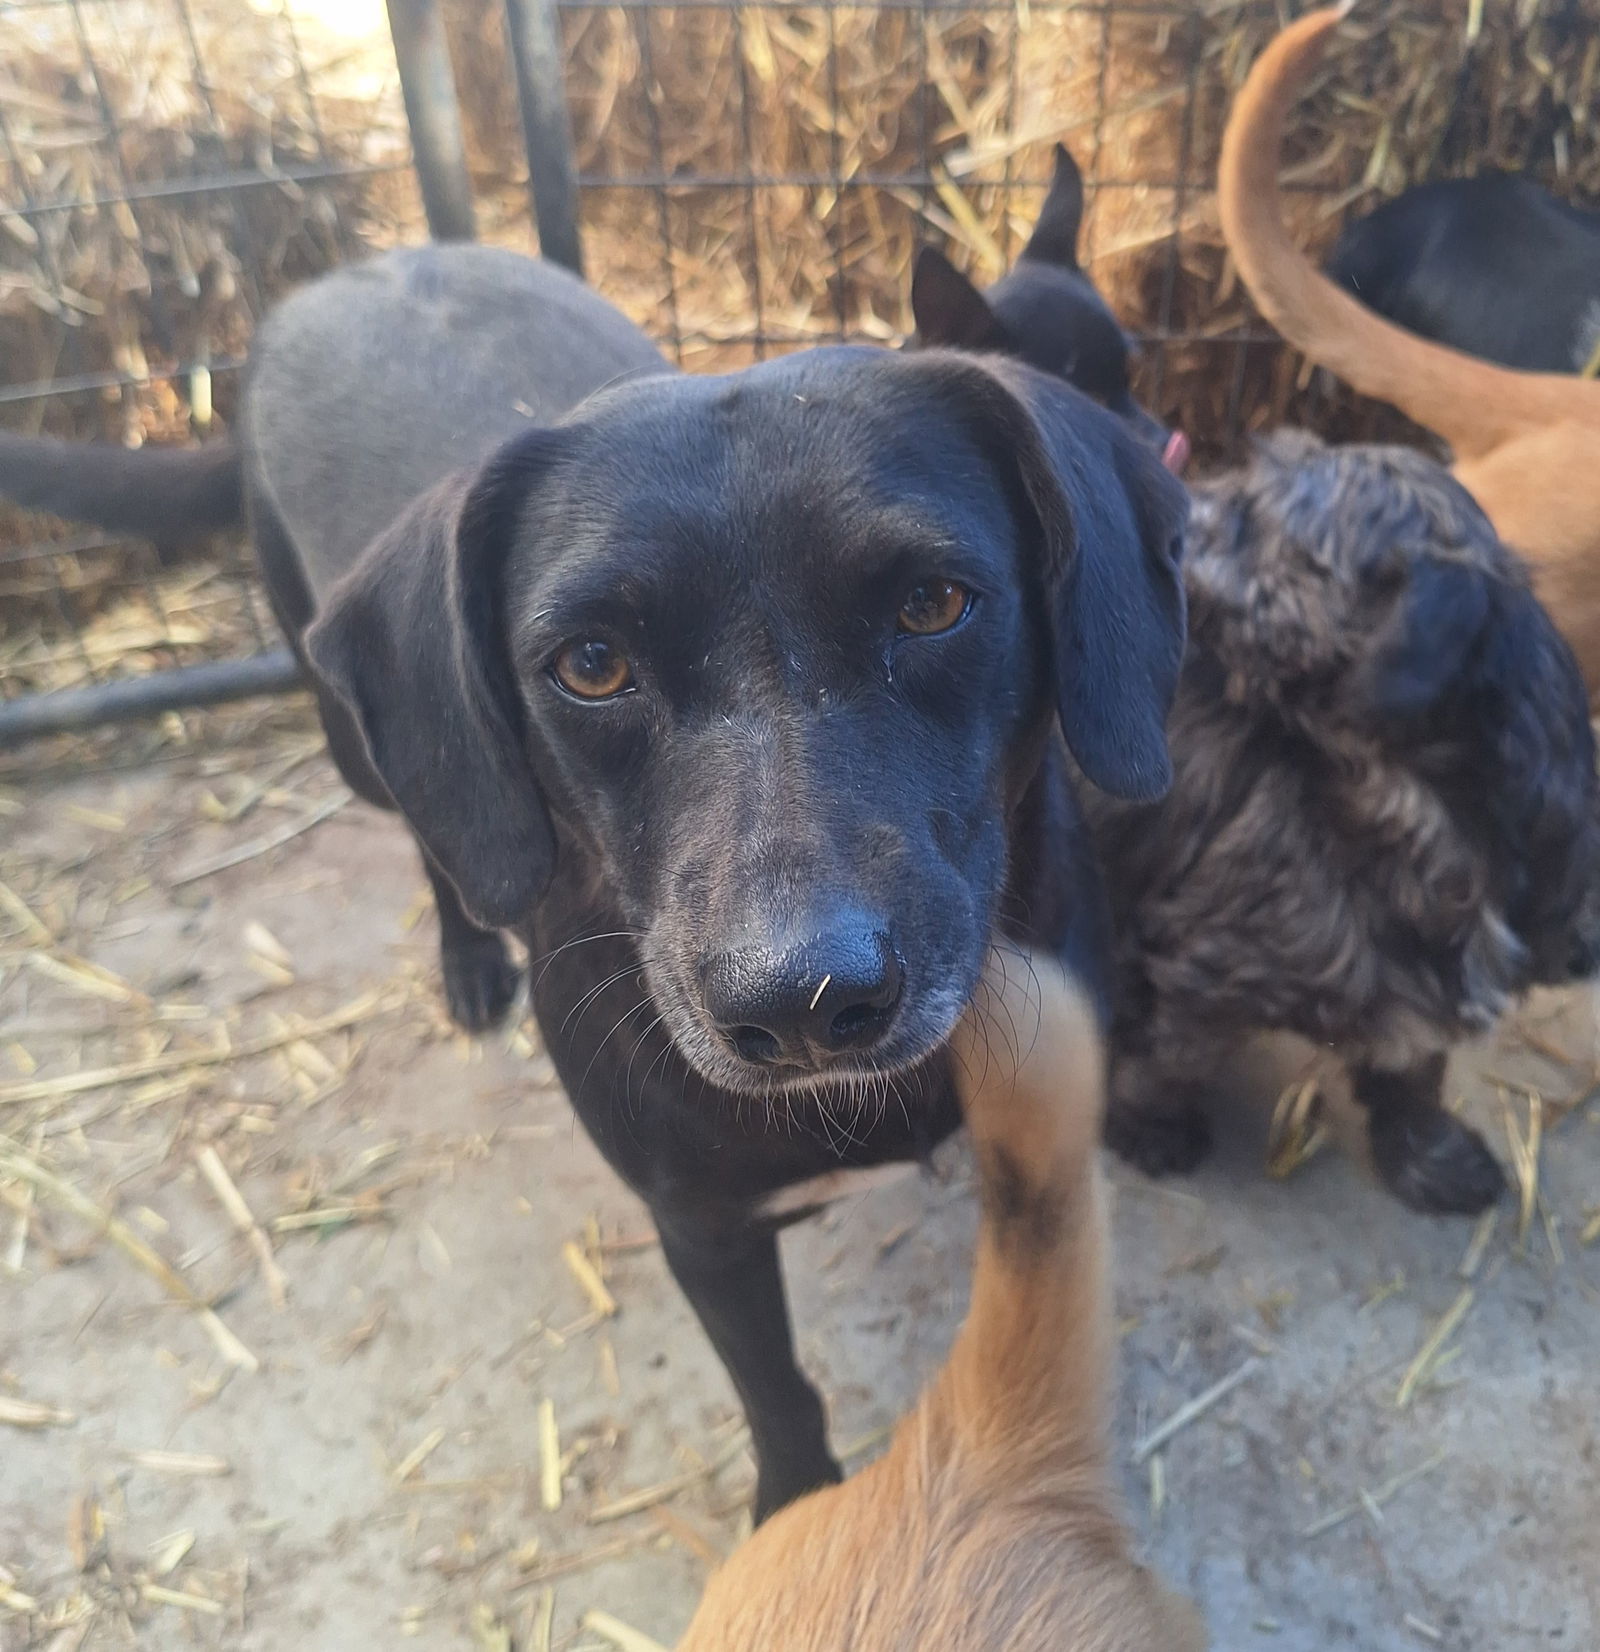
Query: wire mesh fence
x=167, y=167
x=742, y=176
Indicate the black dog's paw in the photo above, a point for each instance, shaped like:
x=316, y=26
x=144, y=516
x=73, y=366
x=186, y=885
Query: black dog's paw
x=777, y=1486
x=480, y=981
x=1160, y=1142
x=1433, y=1162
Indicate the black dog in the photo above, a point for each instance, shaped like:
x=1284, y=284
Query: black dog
x=1494, y=266
x=738, y=696
x=1045, y=312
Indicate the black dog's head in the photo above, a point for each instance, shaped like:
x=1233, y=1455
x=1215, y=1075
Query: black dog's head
x=1361, y=594
x=769, y=657
x=1046, y=312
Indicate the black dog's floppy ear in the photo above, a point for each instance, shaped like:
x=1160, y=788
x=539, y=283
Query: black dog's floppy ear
x=1120, y=609
x=411, y=641
x=1055, y=235
x=948, y=309
x=1110, y=519
x=1440, y=610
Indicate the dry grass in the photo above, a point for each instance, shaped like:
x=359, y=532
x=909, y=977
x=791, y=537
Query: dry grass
x=967, y=104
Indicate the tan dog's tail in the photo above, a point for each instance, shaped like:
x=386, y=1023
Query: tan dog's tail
x=1474, y=405
x=1033, y=1356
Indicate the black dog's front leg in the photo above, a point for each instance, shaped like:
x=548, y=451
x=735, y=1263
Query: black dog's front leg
x=480, y=979
x=1425, y=1157
x=734, y=1282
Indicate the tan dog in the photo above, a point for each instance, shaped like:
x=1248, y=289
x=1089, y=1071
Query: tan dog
x=1526, y=445
x=990, y=1522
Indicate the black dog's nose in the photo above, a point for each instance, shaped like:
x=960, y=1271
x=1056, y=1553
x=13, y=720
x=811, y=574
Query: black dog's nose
x=797, y=1003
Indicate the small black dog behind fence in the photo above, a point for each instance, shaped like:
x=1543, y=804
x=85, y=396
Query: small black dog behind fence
x=749, y=176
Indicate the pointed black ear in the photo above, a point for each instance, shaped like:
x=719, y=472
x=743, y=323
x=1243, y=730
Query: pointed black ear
x=1109, y=520
x=1440, y=612
x=948, y=309
x=412, y=640
x=1055, y=236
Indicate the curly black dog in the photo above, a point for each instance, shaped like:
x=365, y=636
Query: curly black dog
x=1384, y=823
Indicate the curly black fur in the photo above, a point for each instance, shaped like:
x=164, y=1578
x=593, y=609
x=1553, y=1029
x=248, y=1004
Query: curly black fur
x=1384, y=822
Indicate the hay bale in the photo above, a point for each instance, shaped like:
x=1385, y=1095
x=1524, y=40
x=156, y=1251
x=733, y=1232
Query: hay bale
x=130, y=103
x=107, y=103
x=1419, y=89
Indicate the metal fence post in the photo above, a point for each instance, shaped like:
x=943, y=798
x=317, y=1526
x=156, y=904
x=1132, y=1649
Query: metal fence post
x=434, y=116
x=71, y=710
x=535, y=30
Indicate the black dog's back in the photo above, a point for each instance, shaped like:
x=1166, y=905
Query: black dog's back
x=1494, y=266
x=364, y=388
x=372, y=384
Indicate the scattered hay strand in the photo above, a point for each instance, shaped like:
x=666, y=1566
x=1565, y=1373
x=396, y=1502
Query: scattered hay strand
x=192, y=1465
x=544, y=1617
x=1525, y=1157
x=1158, y=1486
x=1369, y=1501
x=417, y=1456
x=158, y=1595
x=1428, y=1354
x=26, y=1414
x=15, y=1163
x=1297, y=1132
x=171, y=1552
x=588, y=1277
x=610, y=1376
x=14, y=1600
x=328, y=1216
x=489, y=1632
x=261, y=846
x=583, y=1559
x=618, y=1633
x=1478, y=1245
x=549, y=1456
x=101, y=1078
x=232, y=1201
x=686, y=1536
x=82, y=976
x=33, y=927
x=1194, y=1410
x=647, y=1498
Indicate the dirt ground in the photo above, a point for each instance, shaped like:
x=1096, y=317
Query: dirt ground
x=246, y=1066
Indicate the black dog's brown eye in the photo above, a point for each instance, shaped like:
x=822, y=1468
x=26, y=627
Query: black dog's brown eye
x=934, y=607
x=593, y=670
